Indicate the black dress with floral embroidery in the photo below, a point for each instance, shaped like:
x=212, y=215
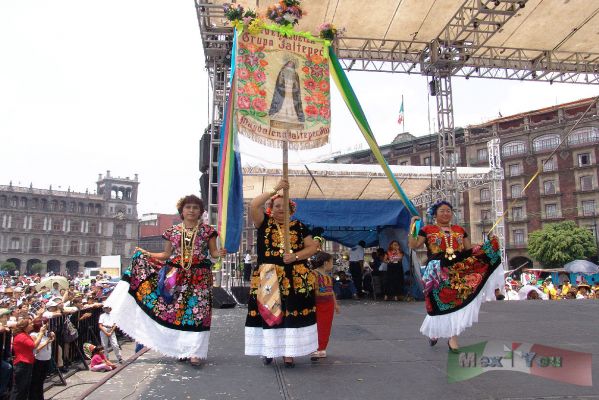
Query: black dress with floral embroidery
x=296, y=281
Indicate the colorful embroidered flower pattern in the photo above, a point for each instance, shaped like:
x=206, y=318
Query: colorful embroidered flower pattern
x=317, y=88
x=251, y=98
x=450, y=284
x=190, y=308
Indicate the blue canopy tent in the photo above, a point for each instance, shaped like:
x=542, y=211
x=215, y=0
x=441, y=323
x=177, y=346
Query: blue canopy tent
x=350, y=221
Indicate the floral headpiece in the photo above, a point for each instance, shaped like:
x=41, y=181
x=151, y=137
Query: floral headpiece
x=269, y=203
x=432, y=210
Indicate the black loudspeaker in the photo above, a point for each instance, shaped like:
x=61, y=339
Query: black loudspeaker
x=205, y=152
x=222, y=299
x=204, y=187
x=241, y=293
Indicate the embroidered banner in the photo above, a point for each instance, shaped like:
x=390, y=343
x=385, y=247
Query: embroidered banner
x=282, y=89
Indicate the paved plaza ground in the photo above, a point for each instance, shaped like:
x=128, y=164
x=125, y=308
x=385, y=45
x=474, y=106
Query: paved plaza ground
x=376, y=352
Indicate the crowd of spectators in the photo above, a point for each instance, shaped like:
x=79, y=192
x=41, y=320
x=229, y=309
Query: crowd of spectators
x=44, y=322
x=529, y=287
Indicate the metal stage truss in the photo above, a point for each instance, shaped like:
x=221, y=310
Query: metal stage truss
x=523, y=40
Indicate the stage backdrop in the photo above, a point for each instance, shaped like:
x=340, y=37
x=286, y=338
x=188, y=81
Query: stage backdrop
x=282, y=89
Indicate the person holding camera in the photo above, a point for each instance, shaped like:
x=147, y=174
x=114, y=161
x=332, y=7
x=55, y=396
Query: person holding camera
x=23, y=348
x=43, y=354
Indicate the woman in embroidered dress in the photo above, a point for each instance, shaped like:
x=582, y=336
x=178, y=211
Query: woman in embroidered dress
x=457, y=277
x=281, y=319
x=394, y=277
x=165, y=299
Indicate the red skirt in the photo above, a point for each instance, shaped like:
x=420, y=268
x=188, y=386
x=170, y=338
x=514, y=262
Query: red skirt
x=324, y=321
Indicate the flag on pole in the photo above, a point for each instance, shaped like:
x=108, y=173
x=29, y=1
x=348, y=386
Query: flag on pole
x=400, y=119
x=230, y=185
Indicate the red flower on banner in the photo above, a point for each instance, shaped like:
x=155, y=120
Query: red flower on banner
x=447, y=295
x=305, y=70
x=312, y=111
x=310, y=84
x=325, y=112
x=263, y=63
x=262, y=93
x=324, y=86
x=243, y=73
x=259, y=104
x=259, y=76
x=243, y=102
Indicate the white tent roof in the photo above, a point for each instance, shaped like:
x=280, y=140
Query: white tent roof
x=347, y=181
x=565, y=25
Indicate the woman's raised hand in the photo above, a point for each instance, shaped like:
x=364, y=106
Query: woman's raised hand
x=414, y=219
x=282, y=184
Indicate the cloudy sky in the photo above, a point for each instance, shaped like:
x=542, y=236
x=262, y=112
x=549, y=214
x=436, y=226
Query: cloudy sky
x=120, y=85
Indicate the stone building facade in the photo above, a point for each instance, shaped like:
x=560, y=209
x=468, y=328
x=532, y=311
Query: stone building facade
x=65, y=230
x=567, y=187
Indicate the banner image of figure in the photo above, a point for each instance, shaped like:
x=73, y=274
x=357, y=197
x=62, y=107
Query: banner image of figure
x=282, y=90
x=286, y=105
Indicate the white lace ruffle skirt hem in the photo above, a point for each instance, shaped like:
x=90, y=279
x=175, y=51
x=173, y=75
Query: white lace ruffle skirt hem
x=282, y=342
x=452, y=324
x=134, y=322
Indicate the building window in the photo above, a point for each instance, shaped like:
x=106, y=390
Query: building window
x=34, y=203
x=545, y=142
x=584, y=159
x=518, y=235
x=93, y=228
x=516, y=191
x=485, y=194
x=15, y=244
x=36, y=245
x=75, y=226
x=549, y=187
x=119, y=230
x=551, y=211
x=90, y=208
x=403, y=163
x=426, y=161
x=44, y=204
x=13, y=202
x=57, y=225
x=515, y=169
x=588, y=208
x=586, y=182
x=485, y=215
x=584, y=135
x=72, y=207
x=74, y=247
x=548, y=165
x=517, y=213
x=55, y=246
x=54, y=206
x=23, y=203
x=513, y=148
x=482, y=155
x=38, y=224
x=118, y=248
x=92, y=249
x=63, y=206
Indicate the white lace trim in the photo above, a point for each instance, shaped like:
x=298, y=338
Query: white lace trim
x=283, y=342
x=452, y=324
x=132, y=320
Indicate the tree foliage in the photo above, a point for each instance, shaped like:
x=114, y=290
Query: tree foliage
x=559, y=243
x=38, y=268
x=8, y=266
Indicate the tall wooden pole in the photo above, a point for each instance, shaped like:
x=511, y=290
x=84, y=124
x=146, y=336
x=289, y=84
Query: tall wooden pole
x=286, y=244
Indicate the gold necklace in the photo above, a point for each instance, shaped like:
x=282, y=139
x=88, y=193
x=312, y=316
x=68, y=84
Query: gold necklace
x=187, y=244
x=281, y=240
x=449, y=250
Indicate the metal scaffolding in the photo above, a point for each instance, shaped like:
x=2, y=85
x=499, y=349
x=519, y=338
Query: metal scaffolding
x=460, y=49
